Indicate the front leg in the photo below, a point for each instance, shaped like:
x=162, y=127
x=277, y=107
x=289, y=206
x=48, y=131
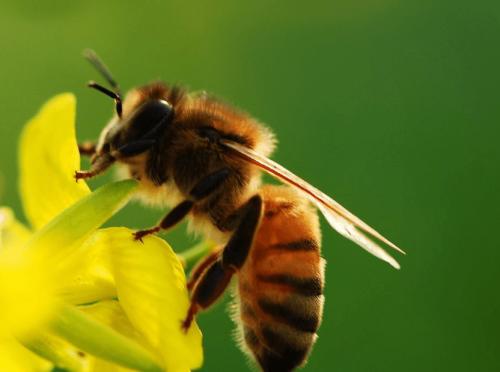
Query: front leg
x=99, y=165
x=206, y=186
x=215, y=279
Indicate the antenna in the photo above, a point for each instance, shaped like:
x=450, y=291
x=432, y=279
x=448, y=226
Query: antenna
x=95, y=61
x=109, y=93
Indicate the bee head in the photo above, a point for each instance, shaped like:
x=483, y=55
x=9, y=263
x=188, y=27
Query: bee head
x=132, y=131
x=136, y=131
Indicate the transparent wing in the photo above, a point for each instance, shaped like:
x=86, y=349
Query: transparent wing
x=343, y=221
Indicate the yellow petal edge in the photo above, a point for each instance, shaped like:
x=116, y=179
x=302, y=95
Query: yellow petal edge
x=48, y=158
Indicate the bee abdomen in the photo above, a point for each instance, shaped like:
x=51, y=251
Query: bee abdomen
x=279, y=325
x=281, y=283
x=276, y=347
x=289, y=314
x=283, y=351
x=307, y=287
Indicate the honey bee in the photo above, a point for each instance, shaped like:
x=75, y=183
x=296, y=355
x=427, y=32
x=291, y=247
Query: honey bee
x=203, y=158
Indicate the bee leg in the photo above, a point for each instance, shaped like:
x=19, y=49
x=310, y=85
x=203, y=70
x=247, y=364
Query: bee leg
x=171, y=219
x=216, y=277
x=201, y=266
x=99, y=165
x=87, y=148
x=208, y=289
x=201, y=190
x=208, y=184
x=236, y=250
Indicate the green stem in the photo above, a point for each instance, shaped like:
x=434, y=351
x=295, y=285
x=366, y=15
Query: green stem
x=56, y=351
x=192, y=255
x=97, y=339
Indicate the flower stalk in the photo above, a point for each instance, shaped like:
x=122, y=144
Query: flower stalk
x=55, y=350
x=99, y=340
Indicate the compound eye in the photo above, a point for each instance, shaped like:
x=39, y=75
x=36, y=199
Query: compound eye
x=151, y=117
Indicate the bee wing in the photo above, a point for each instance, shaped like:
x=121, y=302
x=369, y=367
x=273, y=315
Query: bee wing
x=343, y=221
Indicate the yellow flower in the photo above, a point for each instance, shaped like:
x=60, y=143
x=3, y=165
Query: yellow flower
x=70, y=287
x=23, y=277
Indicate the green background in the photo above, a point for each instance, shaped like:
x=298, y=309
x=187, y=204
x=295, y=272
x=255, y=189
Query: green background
x=390, y=106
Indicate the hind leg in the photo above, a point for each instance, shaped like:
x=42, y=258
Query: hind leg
x=215, y=279
x=201, y=267
x=207, y=290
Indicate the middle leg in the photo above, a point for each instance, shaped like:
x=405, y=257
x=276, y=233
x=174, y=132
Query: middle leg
x=204, y=188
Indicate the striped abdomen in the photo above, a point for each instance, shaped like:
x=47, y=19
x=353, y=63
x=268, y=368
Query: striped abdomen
x=281, y=283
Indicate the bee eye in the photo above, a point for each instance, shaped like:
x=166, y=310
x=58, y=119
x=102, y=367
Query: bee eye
x=151, y=117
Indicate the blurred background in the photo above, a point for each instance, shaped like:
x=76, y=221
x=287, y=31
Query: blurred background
x=390, y=106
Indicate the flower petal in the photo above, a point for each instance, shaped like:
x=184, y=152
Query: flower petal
x=13, y=234
x=49, y=158
x=151, y=288
x=87, y=287
x=26, y=293
x=94, y=282
x=26, y=286
x=15, y=358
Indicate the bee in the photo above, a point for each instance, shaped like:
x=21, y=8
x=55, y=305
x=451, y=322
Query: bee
x=203, y=158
